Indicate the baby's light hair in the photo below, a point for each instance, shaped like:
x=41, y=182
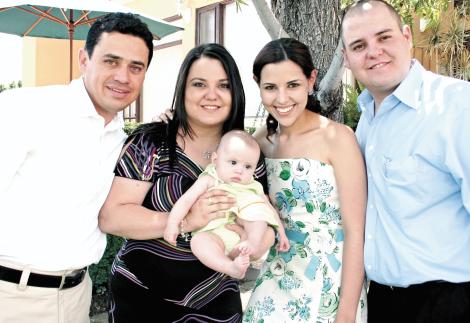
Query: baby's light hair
x=243, y=136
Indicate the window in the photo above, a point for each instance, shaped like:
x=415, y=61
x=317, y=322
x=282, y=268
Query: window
x=133, y=112
x=210, y=23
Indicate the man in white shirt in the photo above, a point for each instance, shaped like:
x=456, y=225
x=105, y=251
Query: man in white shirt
x=60, y=145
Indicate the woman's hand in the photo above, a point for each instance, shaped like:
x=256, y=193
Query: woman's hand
x=211, y=205
x=165, y=117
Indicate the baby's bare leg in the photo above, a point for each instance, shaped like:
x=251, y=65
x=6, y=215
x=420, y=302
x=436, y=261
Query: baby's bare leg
x=210, y=250
x=255, y=231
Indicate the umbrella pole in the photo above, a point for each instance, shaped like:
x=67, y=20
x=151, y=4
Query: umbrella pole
x=71, y=30
x=71, y=53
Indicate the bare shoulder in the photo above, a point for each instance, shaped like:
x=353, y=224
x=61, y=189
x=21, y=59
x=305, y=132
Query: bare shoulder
x=338, y=134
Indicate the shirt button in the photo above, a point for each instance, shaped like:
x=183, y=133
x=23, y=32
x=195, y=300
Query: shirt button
x=369, y=236
x=372, y=206
x=369, y=267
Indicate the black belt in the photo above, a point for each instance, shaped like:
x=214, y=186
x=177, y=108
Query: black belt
x=425, y=285
x=39, y=280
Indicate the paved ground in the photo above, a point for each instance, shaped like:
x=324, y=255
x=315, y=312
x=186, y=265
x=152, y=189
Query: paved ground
x=245, y=288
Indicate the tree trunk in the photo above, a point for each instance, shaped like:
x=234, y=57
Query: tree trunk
x=316, y=23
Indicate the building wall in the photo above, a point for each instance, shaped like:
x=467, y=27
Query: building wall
x=46, y=61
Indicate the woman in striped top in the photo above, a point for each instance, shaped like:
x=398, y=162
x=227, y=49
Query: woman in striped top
x=152, y=280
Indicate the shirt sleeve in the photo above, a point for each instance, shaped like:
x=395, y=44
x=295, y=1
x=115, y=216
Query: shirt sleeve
x=458, y=152
x=139, y=159
x=260, y=173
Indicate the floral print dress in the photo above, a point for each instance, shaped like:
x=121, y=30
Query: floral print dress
x=302, y=284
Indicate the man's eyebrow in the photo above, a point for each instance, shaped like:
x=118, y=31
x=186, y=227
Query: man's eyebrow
x=119, y=58
x=113, y=56
x=351, y=44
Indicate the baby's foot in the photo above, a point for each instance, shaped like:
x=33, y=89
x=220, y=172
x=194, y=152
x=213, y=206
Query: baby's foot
x=239, y=266
x=245, y=248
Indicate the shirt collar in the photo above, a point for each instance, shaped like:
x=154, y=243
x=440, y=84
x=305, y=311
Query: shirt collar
x=82, y=101
x=409, y=89
x=86, y=108
x=407, y=92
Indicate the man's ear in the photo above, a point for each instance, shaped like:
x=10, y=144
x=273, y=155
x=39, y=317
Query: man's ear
x=408, y=35
x=83, y=59
x=345, y=57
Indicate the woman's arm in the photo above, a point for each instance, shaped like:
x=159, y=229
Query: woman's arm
x=348, y=165
x=182, y=207
x=123, y=215
x=284, y=244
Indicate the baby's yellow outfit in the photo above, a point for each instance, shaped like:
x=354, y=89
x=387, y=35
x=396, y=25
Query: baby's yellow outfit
x=250, y=206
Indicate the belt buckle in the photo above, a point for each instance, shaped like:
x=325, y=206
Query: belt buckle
x=75, y=275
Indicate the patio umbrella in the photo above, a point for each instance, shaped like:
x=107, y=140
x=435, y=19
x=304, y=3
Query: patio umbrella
x=66, y=19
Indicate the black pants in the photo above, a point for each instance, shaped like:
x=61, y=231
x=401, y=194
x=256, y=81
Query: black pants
x=431, y=302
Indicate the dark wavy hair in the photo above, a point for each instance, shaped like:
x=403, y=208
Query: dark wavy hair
x=123, y=23
x=280, y=50
x=235, y=120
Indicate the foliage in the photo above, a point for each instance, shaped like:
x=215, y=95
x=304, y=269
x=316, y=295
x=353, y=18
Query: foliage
x=451, y=46
x=427, y=9
x=12, y=85
x=99, y=272
x=350, y=110
x=130, y=126
x=239, y=4
x=250, y=130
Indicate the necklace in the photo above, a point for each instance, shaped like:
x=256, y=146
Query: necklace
x=206, y=154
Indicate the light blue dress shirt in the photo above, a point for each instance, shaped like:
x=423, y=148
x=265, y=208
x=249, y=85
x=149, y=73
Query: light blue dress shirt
x=417, y=152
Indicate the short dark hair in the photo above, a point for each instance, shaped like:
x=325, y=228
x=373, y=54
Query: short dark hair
x=280, y=50
x=357, y=6
x=236, y=117
x=124, y=23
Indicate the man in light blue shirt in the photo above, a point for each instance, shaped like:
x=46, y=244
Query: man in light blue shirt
x=414, y=132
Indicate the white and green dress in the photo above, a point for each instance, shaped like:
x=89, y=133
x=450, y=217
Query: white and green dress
x=302, y=284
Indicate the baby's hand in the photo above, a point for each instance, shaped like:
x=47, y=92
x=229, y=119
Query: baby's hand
x=170, y=234
x=284, y=244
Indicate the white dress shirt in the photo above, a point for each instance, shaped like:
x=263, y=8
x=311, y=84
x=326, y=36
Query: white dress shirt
x=56, y=170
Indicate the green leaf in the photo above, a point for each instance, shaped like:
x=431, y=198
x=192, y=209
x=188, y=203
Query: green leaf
x=287, y=192
x=301, y=251
x=300, y=224
x=323, y=207
x=309, y=206
x=285, y=174
x=292, y=201
x=285, y=165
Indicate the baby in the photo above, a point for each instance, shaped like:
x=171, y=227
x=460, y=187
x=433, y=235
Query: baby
x=232, y=169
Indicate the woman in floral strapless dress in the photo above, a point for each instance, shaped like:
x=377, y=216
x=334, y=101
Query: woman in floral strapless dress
x=316, y=181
